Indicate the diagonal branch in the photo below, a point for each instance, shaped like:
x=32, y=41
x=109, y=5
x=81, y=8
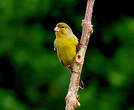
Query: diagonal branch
x=72, y=96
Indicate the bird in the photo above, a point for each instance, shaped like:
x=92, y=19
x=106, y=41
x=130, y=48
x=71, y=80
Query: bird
x=65, y=44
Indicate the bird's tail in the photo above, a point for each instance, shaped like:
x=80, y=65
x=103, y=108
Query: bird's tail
x=81, y=84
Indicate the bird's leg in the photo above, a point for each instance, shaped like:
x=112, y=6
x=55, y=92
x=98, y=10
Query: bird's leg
x=70, y=68
x=78, y=46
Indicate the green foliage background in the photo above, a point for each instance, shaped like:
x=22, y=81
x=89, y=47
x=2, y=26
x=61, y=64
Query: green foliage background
x=31, y=77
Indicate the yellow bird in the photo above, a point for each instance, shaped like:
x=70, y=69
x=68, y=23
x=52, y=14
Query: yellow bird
x=65, y=44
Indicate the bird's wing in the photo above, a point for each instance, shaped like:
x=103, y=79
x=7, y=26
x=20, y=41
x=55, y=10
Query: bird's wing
x=76, y=38
x=55, y=46
x=76, y=42
x=55, y=49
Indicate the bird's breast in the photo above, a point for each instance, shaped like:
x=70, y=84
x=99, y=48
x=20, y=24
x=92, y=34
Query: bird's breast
x=66, y=50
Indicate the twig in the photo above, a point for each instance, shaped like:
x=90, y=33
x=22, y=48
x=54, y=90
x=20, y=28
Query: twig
x=72, y=96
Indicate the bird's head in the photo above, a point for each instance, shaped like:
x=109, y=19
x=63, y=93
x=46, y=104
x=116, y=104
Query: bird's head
x=62, y=30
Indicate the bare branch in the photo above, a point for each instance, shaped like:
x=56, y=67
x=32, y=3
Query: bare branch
x=72, y=96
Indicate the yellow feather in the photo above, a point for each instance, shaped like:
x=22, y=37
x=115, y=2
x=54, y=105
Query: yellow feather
x=65, y=44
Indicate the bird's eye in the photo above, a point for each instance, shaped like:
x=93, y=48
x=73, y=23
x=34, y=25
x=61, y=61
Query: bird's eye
x=62, y=27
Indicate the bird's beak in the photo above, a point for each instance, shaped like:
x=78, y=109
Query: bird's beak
x=56, y=29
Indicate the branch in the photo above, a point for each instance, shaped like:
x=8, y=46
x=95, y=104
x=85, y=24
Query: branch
x=72, y=96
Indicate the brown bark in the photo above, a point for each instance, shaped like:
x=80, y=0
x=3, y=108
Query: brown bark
x=72, y=95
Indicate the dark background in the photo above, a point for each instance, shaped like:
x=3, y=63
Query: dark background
x=31, y=76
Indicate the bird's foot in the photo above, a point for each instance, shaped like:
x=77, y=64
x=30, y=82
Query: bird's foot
x=70, y=69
